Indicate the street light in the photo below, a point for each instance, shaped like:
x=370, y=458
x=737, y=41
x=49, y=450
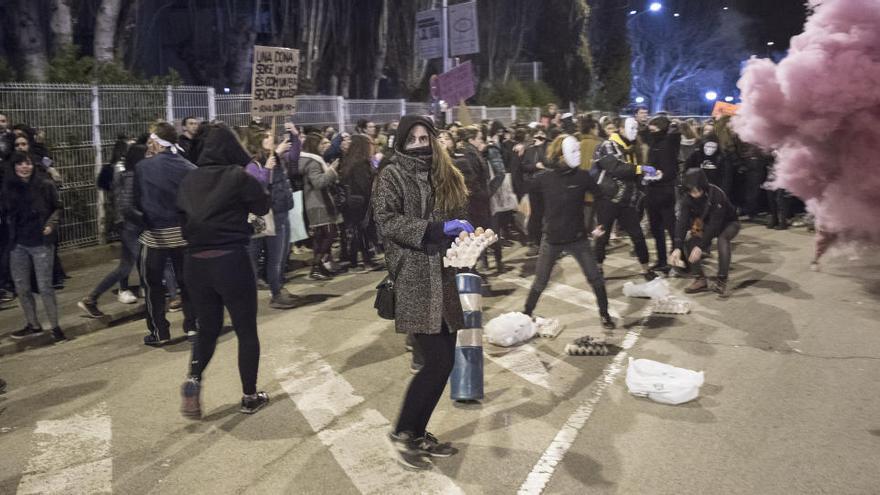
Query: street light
x=655, y=6
x=728, y=99
x=640, y=99
x=711, y=95
x=633, y=12
x=676, y=14
x=725, y=8
x=770, y=43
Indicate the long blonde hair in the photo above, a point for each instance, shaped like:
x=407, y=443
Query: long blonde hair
x=554, y=149
x=450, y=191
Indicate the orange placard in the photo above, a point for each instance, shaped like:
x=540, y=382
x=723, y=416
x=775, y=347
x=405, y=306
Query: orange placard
x=722, y=108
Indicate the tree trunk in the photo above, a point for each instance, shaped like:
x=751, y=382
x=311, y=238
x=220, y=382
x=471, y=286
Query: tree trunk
x=105, y=30
x=242, y=47
x=31, y=41
x=61, y=25
x=379, y=61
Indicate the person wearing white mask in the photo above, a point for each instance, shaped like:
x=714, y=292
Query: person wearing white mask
x=707, y=156
x=562, y=191
x=618, y=169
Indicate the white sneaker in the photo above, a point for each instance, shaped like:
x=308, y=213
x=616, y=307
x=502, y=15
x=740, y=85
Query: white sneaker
x=126, y=297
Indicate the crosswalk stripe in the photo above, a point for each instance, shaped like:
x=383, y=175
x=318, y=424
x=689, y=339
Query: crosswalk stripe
x=72, y=455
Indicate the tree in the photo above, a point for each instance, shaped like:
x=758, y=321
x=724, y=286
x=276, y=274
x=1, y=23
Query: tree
x=31, y=40
x=671, y=51
x=503, y=28
x=563, y=47
x=105, y=30
x=61, y=25
x=609, y=43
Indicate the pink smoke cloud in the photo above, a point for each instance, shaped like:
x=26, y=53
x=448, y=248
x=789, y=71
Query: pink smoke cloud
x=819, y=108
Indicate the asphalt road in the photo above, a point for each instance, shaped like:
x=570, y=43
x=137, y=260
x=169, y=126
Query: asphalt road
x=790, y=403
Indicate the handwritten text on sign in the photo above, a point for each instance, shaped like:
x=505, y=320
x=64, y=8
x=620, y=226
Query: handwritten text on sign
x=276, y=72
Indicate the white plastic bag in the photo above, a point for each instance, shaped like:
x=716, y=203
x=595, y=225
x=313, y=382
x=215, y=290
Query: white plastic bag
x=509, y=328
x=662, y=382
x=655, y=289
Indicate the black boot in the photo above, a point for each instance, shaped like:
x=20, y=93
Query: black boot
x=602, y=302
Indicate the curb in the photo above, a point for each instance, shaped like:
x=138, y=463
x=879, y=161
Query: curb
x=87, y=326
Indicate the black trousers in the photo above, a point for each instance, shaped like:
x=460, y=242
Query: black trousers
x=357, y=243
x=725, y=250
x=660, y=203
x=628, y=219
x=535, y=225
x=425, y=389
x=225, y=281
x=754, y=177
x=581, y=252
x=152, y=269
x=5, y=248
x=778, y=202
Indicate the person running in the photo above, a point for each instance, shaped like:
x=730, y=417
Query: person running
x=618, y=158
x=562, y=190
x=706, y=214
x=31, y=211
x=155, y=189
x=215, y=201
x=123, y=194
x=419, y=200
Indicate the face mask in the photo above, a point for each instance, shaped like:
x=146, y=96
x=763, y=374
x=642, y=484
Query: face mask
x=710, y=148
x=423, y=152
x=571, y=152
x=630, y=129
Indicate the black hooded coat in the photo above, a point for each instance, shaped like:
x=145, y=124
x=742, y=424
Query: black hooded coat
x=215, y=199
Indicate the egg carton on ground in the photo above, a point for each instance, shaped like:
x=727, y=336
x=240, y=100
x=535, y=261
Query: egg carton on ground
x=587, y=346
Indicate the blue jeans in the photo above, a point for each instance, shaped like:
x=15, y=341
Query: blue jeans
x=277, y=247
x=127, y=259
x=21, y=259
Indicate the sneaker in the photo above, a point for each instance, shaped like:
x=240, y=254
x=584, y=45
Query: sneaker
x=90, y=307
x=334, y=268
x=359, y=269
x=408, y=453
x=253, y=403
x=190, y=392
x=156, y=341
x=649, y=275
x=283, y=300
x=661, y=267
x=720, y=288
x=698, y=285
x=414, y=368
x=6, y=296
x=58, y=335
x=297, y=251
x=191, y=336
x=430, y=446
x=607, y=322
x=175, y=305
x=262, y=285
x=408, y=347
x=26, y=332
x=126, y=297
x=318, y=274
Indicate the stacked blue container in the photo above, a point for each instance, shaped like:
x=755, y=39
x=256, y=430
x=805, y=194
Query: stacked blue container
x=467, y=374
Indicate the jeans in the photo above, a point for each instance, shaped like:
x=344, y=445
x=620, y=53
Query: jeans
x=218, y=282
x=152, y=267
x=425, y=389
x=725, y=251
x=580, y=250
x=628, y=218
x=276, y=247
x=127, y=259
x=21, y=258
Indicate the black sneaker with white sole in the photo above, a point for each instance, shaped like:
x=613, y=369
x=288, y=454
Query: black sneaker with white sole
x=429, y=445
x=90, y=307
x=156, y=341
x=26, y=332
x=408, y=453
x=253, y=403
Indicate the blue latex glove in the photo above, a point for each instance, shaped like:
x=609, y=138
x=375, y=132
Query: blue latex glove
x=648, y=170
x=454, y=227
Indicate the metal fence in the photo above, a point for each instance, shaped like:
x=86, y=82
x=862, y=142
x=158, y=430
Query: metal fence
x=79, y=123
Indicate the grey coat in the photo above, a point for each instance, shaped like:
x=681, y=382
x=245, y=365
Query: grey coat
x=317, y=180
x=403, y=206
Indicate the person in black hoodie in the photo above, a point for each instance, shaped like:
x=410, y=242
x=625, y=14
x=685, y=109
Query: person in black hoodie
x=214, y=202
x=706, y=214
x=356, y=176
x=562, y=190
x=663, y=143
x=707, y=156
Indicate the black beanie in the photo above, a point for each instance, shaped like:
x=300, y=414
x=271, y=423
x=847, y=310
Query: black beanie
x=407, y=122
x=661, y=121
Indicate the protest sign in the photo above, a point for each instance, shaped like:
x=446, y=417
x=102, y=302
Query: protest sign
x=457, y=84
x=722, y=108
x=275, y=77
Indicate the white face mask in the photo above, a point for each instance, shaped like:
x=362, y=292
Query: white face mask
x=630, y=129
x=571, y=151
x=710, y=148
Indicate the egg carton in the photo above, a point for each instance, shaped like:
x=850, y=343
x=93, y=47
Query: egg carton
x=671, y=305
x=587, y=346
x=467, y=248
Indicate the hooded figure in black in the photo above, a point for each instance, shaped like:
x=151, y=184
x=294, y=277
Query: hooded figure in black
x=707, y=156
x=663, y=145
x=215, y=201
x=705, y=214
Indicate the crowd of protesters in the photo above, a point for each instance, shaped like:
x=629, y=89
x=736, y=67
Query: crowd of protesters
x=209, y=215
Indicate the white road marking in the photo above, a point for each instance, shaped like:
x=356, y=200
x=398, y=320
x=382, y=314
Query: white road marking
x=359, y=444
x=539, y=368
x=573, y=295
x=72, y=455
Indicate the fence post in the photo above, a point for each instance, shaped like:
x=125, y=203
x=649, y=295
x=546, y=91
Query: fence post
x=512, y=113
x=483, y=113
x=169, y=104
x=340, y=113
x=212, y=104
x=402, y=107
x=99, y=160
x=537, y=114
x=534, y=71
